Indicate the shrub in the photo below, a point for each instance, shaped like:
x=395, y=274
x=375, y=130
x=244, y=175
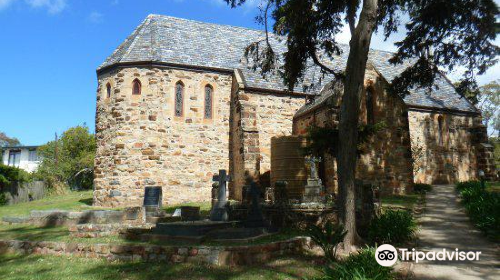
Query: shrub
x=422, y=188
x=3, y=199
x=327, y=237
x=392, y=227
x=483, y=207
x=358, y=267
x=10, y=174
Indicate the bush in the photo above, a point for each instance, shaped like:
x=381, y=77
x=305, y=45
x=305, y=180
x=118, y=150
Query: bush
x=358, y=267
x=421, y=188
x=9, y=174
x=327, y=237
x=483, y=207
x=392, y=227
x=3, y=199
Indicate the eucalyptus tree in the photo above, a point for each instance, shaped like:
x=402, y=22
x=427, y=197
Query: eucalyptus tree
x=440, y=35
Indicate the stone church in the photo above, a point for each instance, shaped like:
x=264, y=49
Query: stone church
x=178, y=100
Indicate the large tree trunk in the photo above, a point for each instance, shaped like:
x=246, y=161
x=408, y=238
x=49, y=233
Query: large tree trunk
x=349, y=115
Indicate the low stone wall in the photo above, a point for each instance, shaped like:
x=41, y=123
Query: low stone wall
x=99, y=230
x=24, y=192
x=220, y=256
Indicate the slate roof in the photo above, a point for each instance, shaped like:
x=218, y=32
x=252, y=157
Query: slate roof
x=176, y=41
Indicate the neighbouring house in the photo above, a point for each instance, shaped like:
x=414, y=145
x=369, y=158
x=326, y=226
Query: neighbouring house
x=24, y=157
x=178, y=100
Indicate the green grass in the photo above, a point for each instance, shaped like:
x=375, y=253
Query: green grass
x=16, y=267
x=70, y=201
x=399, y=201
x=493, y=186
x=205, y=207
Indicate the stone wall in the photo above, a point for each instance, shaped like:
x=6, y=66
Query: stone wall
x=141, y=143
x=258, y=116
x=219, y=256
x=446, y=156
x=386, y=158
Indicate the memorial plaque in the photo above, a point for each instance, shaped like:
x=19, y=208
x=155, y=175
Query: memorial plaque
x=153, y=197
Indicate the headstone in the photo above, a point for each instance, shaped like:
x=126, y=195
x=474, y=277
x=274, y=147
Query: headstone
x=219, y=210
x=177, y=213
x=255, y=217
x=152, y=200
x=190, y=213
x=312, y=191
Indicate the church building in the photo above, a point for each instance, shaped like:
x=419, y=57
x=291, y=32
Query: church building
x=178, y=100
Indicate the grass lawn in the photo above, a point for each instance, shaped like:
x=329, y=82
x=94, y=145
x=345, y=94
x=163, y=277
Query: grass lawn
x=70, y=201
x=493, y=186
x=399, y=201
x=16, y=267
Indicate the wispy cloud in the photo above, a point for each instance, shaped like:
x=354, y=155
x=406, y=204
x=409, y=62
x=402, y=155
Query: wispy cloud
x=5, y=3
x=52, y=6
x=95, y=17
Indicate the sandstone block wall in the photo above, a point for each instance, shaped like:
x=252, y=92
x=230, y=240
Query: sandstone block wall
x=258, y=116
x=386, y=161
x=141, y=143
x=446, y=156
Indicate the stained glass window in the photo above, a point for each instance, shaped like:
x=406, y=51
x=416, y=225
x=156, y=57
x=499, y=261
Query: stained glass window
x=179, y=99
x=136, y=87
x=208, y=102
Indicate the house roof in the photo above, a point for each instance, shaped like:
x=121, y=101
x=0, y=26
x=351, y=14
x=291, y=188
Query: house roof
x=175, y=41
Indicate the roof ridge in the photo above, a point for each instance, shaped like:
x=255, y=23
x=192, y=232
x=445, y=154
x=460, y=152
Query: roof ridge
x=135, y=36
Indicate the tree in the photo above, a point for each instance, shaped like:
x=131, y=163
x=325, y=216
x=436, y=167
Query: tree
x=440, y=34
x=8, y=141
x=69, y=160
x=489, y=104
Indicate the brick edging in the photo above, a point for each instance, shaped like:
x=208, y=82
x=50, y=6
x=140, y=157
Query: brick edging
x=213, y=255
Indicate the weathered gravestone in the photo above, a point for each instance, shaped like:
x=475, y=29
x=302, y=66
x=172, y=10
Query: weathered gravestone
x=219, y=209
x=255, y=217
x=152, y=200
x=312, y=191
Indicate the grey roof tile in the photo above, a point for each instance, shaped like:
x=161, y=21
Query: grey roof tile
x=186, y=42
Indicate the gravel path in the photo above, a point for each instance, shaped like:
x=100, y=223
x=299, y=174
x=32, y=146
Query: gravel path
x=445, y=224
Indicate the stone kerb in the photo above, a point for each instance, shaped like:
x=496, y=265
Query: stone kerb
x=216, y=255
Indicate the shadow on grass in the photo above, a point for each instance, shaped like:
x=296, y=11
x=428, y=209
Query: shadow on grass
x=31, y=233
x=51, y=267
x=86, y=201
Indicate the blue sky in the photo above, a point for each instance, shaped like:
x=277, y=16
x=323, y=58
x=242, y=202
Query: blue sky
x=49, y=50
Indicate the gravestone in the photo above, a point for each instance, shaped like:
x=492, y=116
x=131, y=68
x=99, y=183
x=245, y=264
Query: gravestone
x=219, y=209
x=255, y=217
x=152, y=200
x=190, y=213
x=312, y=191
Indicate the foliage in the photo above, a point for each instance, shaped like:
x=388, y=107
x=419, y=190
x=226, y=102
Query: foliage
x=10, y=174
x=3, y=199
x=422, y=188
x=496, y=153
x=8, y=141
x=483, y=207
x=326, y=139
x=327, y=237
x=70, y=159
x=392, y=227
x=489, y=105
x=359, y=266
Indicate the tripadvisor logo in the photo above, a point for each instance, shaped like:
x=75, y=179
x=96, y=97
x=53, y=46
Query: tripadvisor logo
x=387, y=255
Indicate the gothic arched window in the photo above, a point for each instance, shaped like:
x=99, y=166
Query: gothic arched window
x=136, y=87
x=440, y=135
x=370, y=114
x=179, y=98
x=209, y=91
x=108, y=90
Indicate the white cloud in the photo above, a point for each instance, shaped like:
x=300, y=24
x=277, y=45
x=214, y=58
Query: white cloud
x=52, y=6
x=95, y=17
x=4, y=4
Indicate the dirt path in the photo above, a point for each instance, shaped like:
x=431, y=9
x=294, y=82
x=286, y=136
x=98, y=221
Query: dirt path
x=445, y=225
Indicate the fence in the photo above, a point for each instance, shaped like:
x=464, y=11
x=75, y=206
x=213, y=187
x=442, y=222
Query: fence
x=24, y=192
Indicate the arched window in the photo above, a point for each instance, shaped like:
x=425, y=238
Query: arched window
x=108, y=90
x=369, y=102
x=136, y=87
x=179, y=99
x=209, y=91
x=440, y=135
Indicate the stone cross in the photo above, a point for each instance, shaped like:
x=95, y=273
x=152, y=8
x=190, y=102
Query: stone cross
x=312, y=165
x=219, y=211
